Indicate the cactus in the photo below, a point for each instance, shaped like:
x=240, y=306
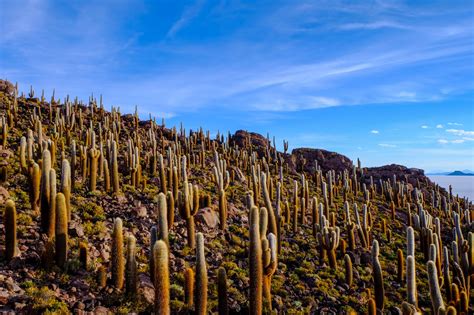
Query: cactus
x=223, y=308
x=162, y=174
x=410, y=242
x=378, y=277
x=117, y=263
x=255, y=263
x=200, y=293
x=83, y=255
x=61, y=231
x=23, y=162
x=222, y=209
x=372, y=308
x=162, y=279
x=35, y=185
x=348, y=268
x=131, y=284
x=45, y=190
x=115, y=172
x=400, y=266
x=102, y=277
x=435, y=292
x=11, y=242
x=269, y=262
x=268, y=204
x=66, y=185
x=329, y=240
x=94, y=155
x=170, y=203
x=162, y=218
x=188, y=287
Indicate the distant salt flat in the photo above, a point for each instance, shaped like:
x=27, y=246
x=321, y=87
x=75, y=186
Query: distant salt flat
x=462, y=185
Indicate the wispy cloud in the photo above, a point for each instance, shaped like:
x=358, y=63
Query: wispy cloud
x=460, y=132
x=443, y=141
x=439, y=126
x=454, y=124
x=387, y=145
x=374, y=131
x=189, y=13
x=424, y=127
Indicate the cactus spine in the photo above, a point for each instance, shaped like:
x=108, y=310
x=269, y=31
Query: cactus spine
x=200, y=293
x=118, y=264
x=11, y=242
x=162, y=280
x=61, y=230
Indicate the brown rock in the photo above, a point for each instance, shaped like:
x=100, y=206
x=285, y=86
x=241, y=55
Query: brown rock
x=7, y=87
x=208, y=217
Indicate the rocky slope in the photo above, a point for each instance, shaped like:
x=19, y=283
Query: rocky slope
x=304, y=278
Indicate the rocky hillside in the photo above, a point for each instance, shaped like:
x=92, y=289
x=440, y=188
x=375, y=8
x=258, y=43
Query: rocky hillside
x=103, y=213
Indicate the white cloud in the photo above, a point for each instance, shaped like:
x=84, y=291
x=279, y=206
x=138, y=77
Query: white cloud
x=443, y=141
x=439, y=126
x=454, y=124
x=458, y=141
x=424, y=127
x=387, y=145
x=374, y=131
x=460, y=132
x=189, y=13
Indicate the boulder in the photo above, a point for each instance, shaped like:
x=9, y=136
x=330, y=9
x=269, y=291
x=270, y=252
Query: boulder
x=208, y=217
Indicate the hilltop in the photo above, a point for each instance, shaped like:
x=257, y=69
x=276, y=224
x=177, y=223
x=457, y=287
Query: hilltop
x=245, y=227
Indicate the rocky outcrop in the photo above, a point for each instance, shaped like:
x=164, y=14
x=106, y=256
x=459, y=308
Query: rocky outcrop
x=306, y=159
x=403, y=173
x=7, y=87
x=243, y=138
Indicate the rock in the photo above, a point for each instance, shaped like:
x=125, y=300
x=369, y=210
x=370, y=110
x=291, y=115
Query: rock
x=79, y=305
x=7, y=87
x=141, y=211
x=4, y=297
x=100, y=310
x=325, y=159
x=208, y=217
x=4, y=195
x=76, y=230
x=257, y=141
x=12, y=286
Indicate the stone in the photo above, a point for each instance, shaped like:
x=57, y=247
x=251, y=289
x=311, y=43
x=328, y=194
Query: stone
x=208, y=217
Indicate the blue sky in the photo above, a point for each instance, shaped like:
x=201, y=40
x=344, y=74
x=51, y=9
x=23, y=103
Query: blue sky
x=386, y=81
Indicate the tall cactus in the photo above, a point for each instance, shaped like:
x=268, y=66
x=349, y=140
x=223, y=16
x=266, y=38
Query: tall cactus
x=378, y=277
x=255, y=263
x=45, y=190
x=115, y=172
x=35, y=185
x=61, y=230
x=94, y=155
x=269, y=261
x=66, y=185
x=200, y=292
x=411, y=281
x=162, y=280
x=435, y=292
x=348, y=268
x=118, y=263
x=52, y=205
x=131, y=283
x=11, y=242
x=223, y=308
x=162, y=218
x=189, y=288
